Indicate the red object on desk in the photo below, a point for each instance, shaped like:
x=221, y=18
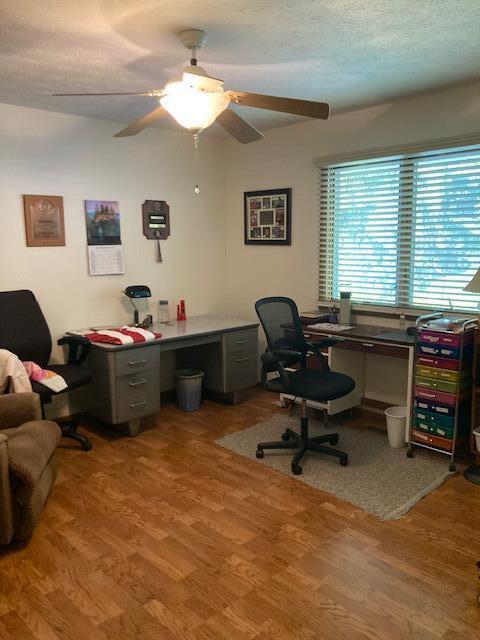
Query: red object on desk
x=182, y=310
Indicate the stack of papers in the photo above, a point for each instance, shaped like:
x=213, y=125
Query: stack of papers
x=329, y=326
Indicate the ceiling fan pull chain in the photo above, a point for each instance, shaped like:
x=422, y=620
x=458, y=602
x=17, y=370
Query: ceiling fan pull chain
x=197, y=161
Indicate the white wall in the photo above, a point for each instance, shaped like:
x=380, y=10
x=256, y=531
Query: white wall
x=285, y=159
x=78, y=158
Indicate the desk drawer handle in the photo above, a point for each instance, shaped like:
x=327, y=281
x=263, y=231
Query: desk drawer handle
x=242, y=359
x=137, y=383
x=134, y=362
x=244, y=341
x=134, y=405
x=368, y=344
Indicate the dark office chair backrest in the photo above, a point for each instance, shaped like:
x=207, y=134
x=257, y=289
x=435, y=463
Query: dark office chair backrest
x=23, y=328
x=281, y=323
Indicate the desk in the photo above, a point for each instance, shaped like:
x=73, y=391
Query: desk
x=126, y=378
x=348, y=356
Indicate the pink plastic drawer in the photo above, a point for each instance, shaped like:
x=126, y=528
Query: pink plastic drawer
x=436, y=396
x=443, y=337
x=441, y=363
x=440, y=337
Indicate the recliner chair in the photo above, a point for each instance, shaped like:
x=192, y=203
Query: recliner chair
x=24, y=331
x=287, y=347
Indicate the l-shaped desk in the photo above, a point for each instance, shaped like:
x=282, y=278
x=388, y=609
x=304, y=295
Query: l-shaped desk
x=126, y=378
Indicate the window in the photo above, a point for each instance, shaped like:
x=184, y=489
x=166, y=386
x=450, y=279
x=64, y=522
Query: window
x=402, y=231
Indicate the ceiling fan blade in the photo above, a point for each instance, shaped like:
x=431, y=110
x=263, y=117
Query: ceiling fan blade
x=127, y=93
x=140, y=124
x=237, y=127
x=306, y=108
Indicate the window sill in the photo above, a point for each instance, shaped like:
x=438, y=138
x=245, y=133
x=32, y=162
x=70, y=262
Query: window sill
x=380, y=311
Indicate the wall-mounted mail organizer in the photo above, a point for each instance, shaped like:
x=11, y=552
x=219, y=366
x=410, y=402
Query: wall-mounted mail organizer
x=442, y=402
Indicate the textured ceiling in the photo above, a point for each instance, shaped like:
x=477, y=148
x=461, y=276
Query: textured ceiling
x=346, y=52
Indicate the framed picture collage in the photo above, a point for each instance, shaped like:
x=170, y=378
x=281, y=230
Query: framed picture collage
x=268, y=217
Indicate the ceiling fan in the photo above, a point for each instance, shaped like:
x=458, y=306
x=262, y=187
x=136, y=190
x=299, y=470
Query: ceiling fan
x=197, y=100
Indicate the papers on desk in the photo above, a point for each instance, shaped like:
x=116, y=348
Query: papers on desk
x=330, y=327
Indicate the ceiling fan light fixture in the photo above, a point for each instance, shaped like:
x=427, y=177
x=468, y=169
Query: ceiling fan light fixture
x=192, y=108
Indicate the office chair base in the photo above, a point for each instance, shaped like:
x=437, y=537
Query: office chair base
x=292, y=440
x=69, y=430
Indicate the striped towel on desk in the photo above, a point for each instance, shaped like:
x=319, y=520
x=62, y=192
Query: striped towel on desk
x=124, y=335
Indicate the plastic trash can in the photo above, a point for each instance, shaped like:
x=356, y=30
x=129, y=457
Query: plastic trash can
x=189, y=389
x=476, y=433
x=396, y=420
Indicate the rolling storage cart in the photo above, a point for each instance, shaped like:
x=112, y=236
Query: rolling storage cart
x=441, y=407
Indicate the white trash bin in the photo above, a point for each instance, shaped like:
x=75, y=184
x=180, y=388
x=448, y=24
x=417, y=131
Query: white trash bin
x=396, y=420
x=476, y=433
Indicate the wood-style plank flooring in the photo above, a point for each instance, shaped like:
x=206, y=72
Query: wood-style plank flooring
x=167, y=536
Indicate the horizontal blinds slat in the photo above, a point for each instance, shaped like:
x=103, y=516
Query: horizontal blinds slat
x=400, y=230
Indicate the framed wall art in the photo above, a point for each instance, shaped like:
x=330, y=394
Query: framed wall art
x=44, y=223
x=268, y=217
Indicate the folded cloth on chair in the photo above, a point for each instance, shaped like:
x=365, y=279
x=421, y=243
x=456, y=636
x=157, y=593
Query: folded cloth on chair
x=30, y=447
x=124, y=335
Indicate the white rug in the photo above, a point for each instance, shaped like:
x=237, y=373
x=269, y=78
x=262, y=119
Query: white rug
x=379, y=479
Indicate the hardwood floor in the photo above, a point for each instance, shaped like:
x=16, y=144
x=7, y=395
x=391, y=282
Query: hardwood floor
x=167, y=536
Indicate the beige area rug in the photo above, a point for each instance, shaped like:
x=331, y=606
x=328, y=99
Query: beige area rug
x=378, y=479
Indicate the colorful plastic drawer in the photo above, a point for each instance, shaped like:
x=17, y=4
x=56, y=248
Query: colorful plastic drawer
x=443, y=351
x=436, y=430
x=442, y=363
x=445, y=338
x=439, y=374
x=434, y=396
x=432, y=441
x=438, y=385
x=434, y=418
x=435, y=407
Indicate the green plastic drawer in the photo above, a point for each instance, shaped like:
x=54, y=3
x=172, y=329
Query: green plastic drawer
x=437, y=430
x=437, y=385
x=434, y=418
x=437, y=374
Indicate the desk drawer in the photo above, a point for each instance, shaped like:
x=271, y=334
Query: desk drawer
x=138, y=404
x=244, y=341
x=373, y=347
x=240, y=370
x=137, y=359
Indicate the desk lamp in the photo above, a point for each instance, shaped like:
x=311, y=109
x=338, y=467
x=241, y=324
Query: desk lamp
x=137, y=291
x=472, y=472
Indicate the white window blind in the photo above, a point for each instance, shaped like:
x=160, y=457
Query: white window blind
x=402, y=231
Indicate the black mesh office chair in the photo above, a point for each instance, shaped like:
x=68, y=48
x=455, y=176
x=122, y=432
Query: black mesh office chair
x=287, y=347
x=24, y=331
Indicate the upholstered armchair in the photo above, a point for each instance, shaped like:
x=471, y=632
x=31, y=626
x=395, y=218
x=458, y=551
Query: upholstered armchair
x=27, y=464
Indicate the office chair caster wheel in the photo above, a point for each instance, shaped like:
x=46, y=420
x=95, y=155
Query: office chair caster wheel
x=344, y=461
x=259, y=453
x=333, y=440
x=296, y=469
x=409, y=453
x=87, y=446
x=285, y=436
x=452, y=467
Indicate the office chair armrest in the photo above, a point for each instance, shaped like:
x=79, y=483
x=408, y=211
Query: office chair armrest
x=315, y=347
x=78, y=348
x=272, y=363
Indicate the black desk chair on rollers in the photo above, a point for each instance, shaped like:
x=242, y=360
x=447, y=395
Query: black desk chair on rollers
x=286, y=347
x=24, y=332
